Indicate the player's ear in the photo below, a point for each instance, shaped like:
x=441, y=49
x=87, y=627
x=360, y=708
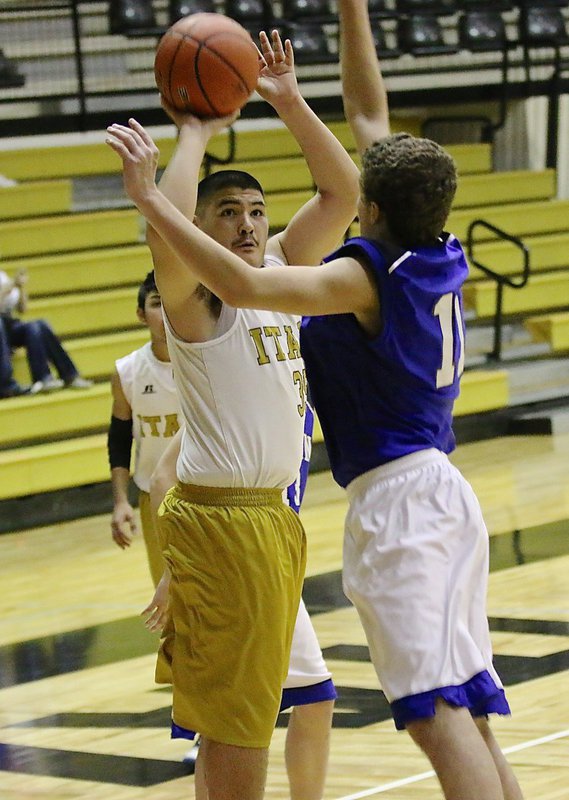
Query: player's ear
x=141, y=315
x=375, y=212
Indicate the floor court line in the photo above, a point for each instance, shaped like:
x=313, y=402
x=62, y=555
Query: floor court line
x=421, y=776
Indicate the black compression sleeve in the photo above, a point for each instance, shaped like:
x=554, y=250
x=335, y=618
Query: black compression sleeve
x=119, y=442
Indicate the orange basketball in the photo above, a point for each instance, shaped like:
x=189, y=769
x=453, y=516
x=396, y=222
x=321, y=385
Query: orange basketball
x=206, y=64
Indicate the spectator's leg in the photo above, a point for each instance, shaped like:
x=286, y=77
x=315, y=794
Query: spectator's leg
x=56, y=353
x=8, y=384
x=29, y=335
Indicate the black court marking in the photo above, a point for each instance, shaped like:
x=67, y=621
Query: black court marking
x=118, y=770
x=72, y=651
x=512, y=669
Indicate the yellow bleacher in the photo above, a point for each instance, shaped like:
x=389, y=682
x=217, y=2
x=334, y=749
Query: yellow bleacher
x=83, y=270
x=548, y=290
x=35, y=198
x=86, y=312
x=552, y=328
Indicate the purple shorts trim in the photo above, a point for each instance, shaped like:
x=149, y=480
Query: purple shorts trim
x=304, y=695
x=301, y=696
x=177, y=732
x=479, y=694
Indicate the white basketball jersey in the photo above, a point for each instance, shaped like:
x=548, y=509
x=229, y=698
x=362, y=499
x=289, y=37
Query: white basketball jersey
x=243, y=397
x=148, y=385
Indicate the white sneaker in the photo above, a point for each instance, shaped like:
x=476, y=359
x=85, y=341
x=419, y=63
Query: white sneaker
x=6, y=182
x=50, y=384
x=79, y=383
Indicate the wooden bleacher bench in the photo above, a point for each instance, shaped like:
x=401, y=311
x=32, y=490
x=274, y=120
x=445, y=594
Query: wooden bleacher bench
x=68, y=160
x=546, y=290
x=482, y=390
x=40, y=418
x=83, y=270
x=518, y=219
x=501, y=187
x=35, y=198
x=547, y=252
x=285, y=173
x=67, y=232
x=56, y=465
x=87, y=312
x=552, y=328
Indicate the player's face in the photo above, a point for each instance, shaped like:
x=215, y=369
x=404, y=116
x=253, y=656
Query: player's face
x=237, y=219
x=152, y=317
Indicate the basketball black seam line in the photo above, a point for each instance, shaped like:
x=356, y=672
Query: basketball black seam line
x=201, y=44
x=198, y=77
x=172, y=62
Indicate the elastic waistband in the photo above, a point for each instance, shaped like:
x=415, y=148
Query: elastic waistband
x=227, y=496
x=396, y=467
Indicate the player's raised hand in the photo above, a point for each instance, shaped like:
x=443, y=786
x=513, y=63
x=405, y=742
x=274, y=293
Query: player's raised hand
x=210, y=125
x=277, y=78
x=139, y=156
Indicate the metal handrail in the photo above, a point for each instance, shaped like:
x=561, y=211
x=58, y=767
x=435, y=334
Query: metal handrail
x=501, y=280
x=561, y=66
x=210, y=159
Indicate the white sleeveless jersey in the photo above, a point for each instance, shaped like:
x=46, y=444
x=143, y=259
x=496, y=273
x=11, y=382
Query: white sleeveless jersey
x=242, y=396
x=148, y=385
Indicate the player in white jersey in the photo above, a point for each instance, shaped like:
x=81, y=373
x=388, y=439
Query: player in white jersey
x=145, y=410
x=236, y=540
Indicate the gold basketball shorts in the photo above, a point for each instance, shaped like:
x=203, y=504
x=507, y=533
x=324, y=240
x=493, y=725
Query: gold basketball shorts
x=153, y=550
x=237, y=558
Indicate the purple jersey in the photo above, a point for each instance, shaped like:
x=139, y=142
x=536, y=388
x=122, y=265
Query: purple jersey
x=295, y=491
x=383, y=397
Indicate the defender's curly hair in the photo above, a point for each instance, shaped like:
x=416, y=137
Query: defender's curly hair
x=413, y=181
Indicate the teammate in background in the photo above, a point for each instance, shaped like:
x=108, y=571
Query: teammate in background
x=383, y=343
x=145, y=409
x=242, y=388
x=43, y=346
x=308, y=689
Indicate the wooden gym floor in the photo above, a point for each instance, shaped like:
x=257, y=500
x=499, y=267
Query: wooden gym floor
x=80, y=716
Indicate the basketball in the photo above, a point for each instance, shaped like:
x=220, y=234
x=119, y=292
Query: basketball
x=207, y=64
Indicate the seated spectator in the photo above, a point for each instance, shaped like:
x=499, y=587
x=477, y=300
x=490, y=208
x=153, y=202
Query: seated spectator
x=42, y=345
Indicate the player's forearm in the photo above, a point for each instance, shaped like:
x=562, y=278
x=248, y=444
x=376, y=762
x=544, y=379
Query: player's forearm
x=120, y=478
x=363, y=90
x=179, y=184
x=331, y=168
x=180, y=179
